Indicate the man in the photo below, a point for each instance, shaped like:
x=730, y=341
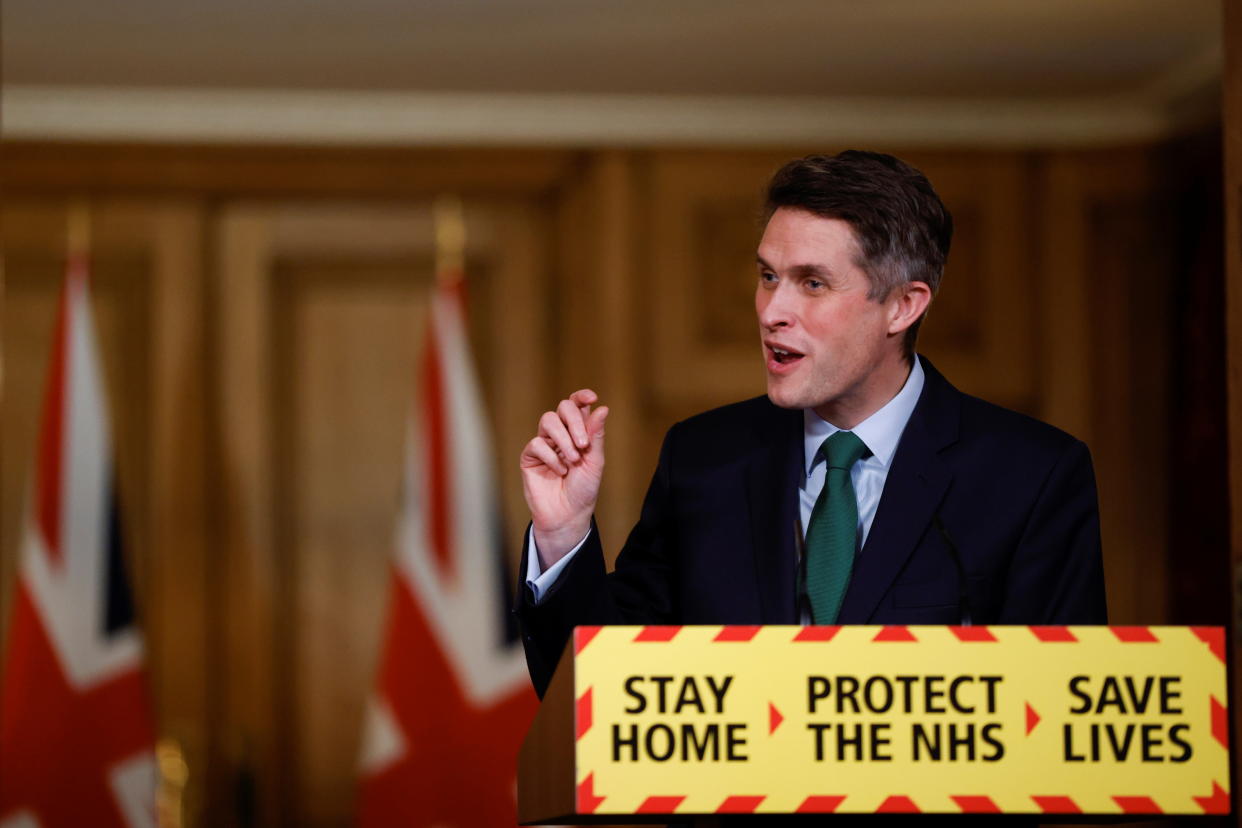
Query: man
x=863, y=488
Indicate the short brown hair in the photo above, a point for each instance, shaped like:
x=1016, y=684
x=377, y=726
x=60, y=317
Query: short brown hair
x=902, y=227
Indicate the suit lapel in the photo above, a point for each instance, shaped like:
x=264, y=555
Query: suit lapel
x=913, y=491
x=772, y=498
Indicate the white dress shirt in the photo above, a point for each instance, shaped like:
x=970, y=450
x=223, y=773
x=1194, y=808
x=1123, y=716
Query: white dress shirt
x=881, y=432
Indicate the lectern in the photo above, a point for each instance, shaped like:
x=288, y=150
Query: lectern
x=658, y=723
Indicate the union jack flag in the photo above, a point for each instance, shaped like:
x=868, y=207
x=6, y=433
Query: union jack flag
x=76, y=740
x=452, y=700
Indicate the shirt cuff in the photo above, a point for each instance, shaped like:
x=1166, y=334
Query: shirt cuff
x=537, y=580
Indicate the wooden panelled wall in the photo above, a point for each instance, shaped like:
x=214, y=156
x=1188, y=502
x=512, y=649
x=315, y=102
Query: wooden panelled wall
x=260, y=315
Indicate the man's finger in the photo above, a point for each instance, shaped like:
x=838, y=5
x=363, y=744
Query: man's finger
x=574, y=421
x=539, y=450
x=552, y=427
x=584, y=398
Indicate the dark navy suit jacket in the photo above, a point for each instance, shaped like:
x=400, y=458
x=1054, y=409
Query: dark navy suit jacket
x=982, y=507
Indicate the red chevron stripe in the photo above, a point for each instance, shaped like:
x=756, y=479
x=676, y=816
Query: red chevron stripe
x=1220, y=723
x=895, y=632
x=1138, y=805
x=660, y=805
x=740, y=805
x=898, y=805
x=1057, y=805
x=657, y=633
x=583, y=636
x=1135, y=635
x=972, y=633
x=1050, y=635
x=736, y=633
x=820, y=804
x=817, y=633
x=587, y=801
x=1217, y=803
x=976, y=804
x=583, y=714
x=1214, y=637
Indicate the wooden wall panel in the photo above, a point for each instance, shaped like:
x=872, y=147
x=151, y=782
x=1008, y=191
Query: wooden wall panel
x=1105, y=287
x=703, y=227
x=514, y=320
x=226, y=171
x=345, y=339
x=982, y=327
x=243, y=507
x=334, y=296
x=594, y=321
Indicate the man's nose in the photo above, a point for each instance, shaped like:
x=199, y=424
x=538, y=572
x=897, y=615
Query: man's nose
x=774, y=309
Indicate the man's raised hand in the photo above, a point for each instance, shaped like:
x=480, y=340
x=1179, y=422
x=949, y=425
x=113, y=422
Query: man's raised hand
x=562, y=467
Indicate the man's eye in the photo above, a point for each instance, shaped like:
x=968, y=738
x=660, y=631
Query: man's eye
x=767, y=276
x=815, y=284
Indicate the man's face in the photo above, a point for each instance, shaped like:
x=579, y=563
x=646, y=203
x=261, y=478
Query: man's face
x=826, y=345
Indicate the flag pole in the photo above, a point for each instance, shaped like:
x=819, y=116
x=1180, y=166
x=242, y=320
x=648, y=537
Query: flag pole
x=450, y=233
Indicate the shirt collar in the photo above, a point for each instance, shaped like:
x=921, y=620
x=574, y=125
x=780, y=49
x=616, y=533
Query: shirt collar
x=880, y=432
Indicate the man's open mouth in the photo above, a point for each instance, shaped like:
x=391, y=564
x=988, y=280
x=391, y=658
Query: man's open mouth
x=783, y=355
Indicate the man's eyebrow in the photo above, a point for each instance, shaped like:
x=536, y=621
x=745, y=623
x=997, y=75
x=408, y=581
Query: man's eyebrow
x=812, y=271
x=802, y=271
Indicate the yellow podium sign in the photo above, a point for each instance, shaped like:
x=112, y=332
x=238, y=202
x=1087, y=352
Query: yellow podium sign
x=1064, y=720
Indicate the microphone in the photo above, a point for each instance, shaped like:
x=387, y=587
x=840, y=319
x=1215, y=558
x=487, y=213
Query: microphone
x=963, y=591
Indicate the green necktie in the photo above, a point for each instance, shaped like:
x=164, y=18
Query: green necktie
x=833, y=531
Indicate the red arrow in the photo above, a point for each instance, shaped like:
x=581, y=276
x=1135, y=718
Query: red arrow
x=1032, y=718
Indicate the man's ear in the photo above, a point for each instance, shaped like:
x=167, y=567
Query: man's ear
x=908, y=304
